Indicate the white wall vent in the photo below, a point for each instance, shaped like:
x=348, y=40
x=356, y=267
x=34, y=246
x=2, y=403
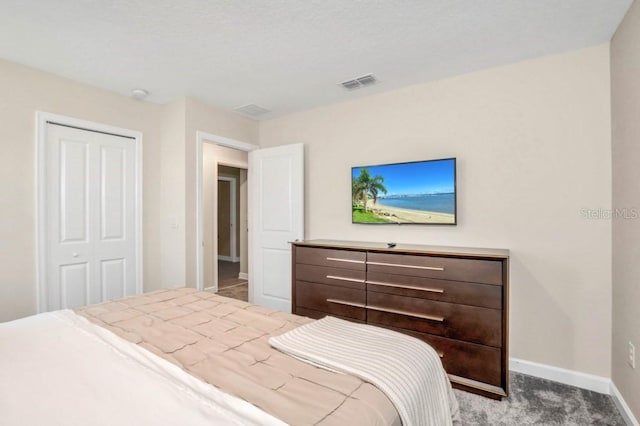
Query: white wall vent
x=252, y=110
x=358, y=82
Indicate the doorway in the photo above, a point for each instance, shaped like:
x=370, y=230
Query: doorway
x=228, y=208
x=275, y=179
x=232, y=232
x=223, y=223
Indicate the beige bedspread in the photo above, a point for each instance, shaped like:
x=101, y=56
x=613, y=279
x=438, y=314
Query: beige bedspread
x=225, y=343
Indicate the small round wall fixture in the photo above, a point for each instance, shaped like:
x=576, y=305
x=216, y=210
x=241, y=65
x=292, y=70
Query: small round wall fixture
x=139, y=93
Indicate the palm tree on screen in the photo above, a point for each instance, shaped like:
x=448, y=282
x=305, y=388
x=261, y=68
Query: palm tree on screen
x=366, y=186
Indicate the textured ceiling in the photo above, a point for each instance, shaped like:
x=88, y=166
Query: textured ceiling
x=289, y=55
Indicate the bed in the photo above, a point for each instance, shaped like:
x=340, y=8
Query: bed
x=197, y=338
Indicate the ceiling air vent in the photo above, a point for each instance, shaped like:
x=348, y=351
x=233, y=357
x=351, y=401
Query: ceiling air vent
x=251, y=109
x=356, y=83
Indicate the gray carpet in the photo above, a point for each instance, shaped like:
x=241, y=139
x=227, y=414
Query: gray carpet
x=534, y=401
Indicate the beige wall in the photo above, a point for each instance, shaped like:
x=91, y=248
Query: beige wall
x=215, y=121
x=172, y=215
x=625, y=94
x=533, y=147
x=23, y=91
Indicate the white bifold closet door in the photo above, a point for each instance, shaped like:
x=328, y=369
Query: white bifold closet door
x=91, y=217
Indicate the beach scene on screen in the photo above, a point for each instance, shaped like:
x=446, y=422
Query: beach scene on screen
x=417, y=192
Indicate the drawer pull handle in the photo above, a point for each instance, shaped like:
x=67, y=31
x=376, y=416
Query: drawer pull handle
x=344, y=302
x=337, y=259
x=397, y=265
x=355, y=280
x=409, y=314
x=440, y=354
x=407, y=287
x=381, y=309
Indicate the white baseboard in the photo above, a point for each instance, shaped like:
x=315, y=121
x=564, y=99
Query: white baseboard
x=569, y=377
x=575, y=378
x=243, y=276
x=211, y=289
x=624, y=409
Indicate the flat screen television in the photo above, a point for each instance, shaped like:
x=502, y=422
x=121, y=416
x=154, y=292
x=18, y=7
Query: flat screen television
x=418, y=192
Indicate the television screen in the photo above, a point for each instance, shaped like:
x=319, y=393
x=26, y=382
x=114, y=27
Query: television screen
x=419, y=192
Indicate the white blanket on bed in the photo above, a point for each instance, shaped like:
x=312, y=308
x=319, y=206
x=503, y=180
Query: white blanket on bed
x=406, y=369
x=58, y=369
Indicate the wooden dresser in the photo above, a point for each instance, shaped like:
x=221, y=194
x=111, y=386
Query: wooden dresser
x=455, y=299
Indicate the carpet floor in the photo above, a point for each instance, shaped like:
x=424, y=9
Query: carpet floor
x=535, y=401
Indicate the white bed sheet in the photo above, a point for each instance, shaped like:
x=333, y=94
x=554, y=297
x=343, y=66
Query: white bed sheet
x=57, y=368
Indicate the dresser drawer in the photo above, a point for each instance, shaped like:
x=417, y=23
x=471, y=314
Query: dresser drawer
x=318, y=315
x=476, y=362
x=484, y=295
x=345, y=259
x=471, y=323
x=446, y=268
x=323, y=274
x=341, y=301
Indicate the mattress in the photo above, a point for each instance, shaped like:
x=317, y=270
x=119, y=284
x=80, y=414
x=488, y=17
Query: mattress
x=59, y=369
x=224, y=342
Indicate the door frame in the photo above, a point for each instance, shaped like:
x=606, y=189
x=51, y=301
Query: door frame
x=42, y=118
x=202, y=138
x=233, y=182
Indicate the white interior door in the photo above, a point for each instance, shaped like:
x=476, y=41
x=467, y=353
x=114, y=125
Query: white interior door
x=276, y=196
x=227, y=220
x=91, y=217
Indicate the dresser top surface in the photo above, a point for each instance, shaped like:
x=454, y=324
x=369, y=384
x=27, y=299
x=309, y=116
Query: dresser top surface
x=407, y=248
